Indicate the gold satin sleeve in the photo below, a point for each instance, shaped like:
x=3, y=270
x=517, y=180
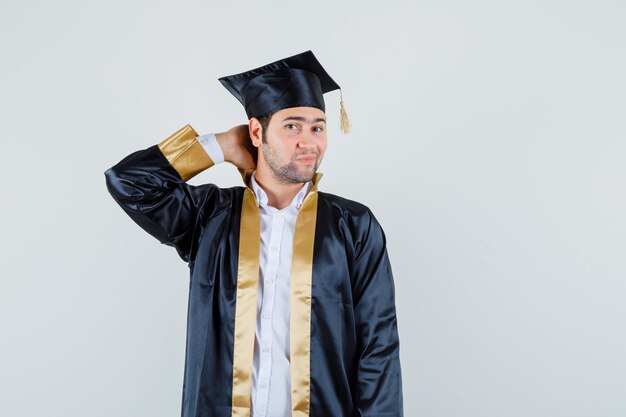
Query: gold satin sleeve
x=185, y=153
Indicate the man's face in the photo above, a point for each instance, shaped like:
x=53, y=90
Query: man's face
x=294, y=143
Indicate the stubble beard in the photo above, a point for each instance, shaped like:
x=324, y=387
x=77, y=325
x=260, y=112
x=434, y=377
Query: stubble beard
x=287, y=173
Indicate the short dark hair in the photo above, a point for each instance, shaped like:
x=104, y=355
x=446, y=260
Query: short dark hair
x=265, y=122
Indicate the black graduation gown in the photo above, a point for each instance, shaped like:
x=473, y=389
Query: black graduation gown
x=343, y=330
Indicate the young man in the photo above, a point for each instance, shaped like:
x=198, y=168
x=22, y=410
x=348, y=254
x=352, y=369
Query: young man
x=291, y=298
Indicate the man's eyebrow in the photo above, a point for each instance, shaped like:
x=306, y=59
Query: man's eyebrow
x=304, y=119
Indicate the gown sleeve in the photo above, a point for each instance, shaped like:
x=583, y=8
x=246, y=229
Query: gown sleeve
x=150, y=186
x=379, y=375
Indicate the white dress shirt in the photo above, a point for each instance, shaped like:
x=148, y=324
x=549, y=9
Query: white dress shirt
x=271, y=377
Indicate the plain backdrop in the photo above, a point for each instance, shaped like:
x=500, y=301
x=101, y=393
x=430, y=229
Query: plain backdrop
x=489, y=139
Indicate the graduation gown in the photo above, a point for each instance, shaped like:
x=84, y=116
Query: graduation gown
x=344, y=347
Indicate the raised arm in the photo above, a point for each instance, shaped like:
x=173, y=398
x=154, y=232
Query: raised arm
x=150, y=185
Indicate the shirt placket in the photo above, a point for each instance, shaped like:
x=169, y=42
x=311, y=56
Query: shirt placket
x=277, y=221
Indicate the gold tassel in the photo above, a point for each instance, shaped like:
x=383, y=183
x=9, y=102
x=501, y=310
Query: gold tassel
x=343, y=116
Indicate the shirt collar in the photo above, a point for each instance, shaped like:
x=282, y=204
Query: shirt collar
x=262, y=199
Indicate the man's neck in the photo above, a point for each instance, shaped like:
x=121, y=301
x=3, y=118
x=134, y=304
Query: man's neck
x=279, y=194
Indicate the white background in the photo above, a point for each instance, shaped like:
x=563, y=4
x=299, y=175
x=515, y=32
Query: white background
x=488, y=138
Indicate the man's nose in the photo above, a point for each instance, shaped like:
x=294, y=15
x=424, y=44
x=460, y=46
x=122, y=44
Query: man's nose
x=307, y=139
x=306, y=144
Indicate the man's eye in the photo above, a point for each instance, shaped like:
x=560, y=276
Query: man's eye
x=291, y=126
x=318, y=129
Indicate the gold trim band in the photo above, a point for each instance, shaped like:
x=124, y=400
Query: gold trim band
x=246, y=304
x=300, y=300
x=300, y=310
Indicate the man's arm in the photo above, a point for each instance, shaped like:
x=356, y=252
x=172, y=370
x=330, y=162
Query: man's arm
x=379, y=376
x=150, y=185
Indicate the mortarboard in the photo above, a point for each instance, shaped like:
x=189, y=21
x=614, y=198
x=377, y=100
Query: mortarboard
x=296, y=81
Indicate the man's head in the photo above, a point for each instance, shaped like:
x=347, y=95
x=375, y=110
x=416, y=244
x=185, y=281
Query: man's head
x=292, y=142
x=284, y=101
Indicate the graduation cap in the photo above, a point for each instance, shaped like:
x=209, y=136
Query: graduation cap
x=296, y=81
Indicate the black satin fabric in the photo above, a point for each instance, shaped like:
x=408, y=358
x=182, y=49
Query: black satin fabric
x=295, y=81
x=355, y=364
x=355, y=352
x=282, y=89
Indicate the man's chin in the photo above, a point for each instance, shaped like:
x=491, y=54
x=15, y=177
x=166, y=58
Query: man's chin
x=302, y=178
x=310, y=174
x=299, y=175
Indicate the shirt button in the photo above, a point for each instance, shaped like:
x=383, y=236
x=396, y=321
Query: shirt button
x=266, y=349
x=274, y=248
x=204, y=140
x=266, y=315
x=263, y=386
x=270, y=280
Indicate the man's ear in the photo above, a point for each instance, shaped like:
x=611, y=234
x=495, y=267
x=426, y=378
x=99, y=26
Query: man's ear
x=255, y=130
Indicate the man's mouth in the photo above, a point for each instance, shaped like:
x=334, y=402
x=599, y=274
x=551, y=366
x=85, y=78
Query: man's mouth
x=307, y=158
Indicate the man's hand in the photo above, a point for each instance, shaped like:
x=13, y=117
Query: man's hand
x=237, y=147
